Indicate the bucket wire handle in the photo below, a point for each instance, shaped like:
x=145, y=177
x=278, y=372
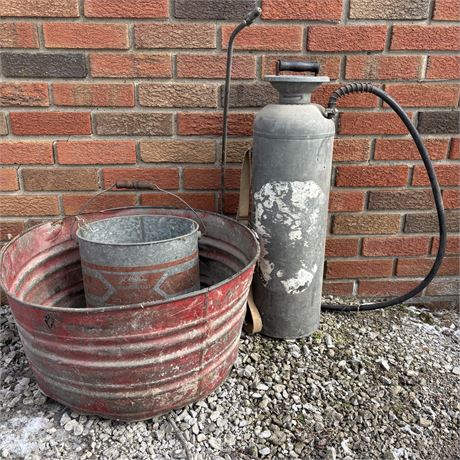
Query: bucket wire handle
x=78, y=217
x=144, y=185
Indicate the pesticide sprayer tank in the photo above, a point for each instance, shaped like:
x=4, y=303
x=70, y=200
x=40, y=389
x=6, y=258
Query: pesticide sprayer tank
x=292, y=156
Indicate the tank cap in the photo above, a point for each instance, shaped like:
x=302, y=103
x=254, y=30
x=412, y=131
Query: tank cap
x=295, y=89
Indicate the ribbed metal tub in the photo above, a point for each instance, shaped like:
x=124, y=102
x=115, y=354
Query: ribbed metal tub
x=136, y=361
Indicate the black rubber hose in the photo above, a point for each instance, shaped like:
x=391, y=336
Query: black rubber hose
x=331, y=111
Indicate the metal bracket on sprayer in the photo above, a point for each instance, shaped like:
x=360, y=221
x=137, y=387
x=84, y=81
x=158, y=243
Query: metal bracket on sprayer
x=331, y=112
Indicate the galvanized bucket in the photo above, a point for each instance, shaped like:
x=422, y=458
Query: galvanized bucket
x=136, y=259
x=128, y=362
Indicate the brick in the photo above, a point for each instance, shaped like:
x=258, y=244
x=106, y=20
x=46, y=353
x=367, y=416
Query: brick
x=362, y=100
x=24, y=94
x=346, y=38
x=452, y=245
x=385, y=288
x=424, y=94
x=351, y=150
x=50, y=123
x=421, y=267
x=446, y=10
x=250, y=95
x=133, y=124
x=314, y=10
x=329, y=65
x=212, y=9
x=210, y=124
x=358, y=268
x=365, y=67
x=426, y=37
x=44, y=65
x=8, y=180
x=24, y=205
x=449, y=286
x=167, y=178
x=438, y=122
x=443, y=68
x=176, y=35
x=451, y=199
x=177, y=95
x=341, y=201
x=18, y=35
x=447, y=174
x=342, y=289
x=178, y=151
x=396, y=246
x=405, y=149
x=371, y=176
x=454, y=150
x=209, y=178
x=95, y=152
x=389, y=9
x=59, y=179
x=262, y=37
x=428, y=223
x=214, y=66
x=123, y=9
x=75, y=204
x=231, y=203
x=367, y=224
x=135, y=65
x=36, y=8
x=10, y=229
x=341, y=247
x=235, y=150
x=80, y=35
x=93, y=94
x=26, y=152
x=371, y=123
x=3, y=125
x=204, y=201
x=400, y=199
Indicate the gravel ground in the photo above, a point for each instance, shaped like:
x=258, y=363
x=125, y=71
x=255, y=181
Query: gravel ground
x=380, y=385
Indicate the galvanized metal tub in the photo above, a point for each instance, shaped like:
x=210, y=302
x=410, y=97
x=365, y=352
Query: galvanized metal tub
x=138, y=259
x=128, y=362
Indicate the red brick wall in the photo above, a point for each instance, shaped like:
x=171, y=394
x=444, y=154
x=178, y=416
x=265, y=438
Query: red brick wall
x=98, y=90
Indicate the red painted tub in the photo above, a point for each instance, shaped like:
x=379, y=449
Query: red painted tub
x=128, y=362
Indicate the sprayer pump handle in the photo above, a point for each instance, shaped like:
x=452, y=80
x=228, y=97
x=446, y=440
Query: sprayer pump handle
x=297, y=66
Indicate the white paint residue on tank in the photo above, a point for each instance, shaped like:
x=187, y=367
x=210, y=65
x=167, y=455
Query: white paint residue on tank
x=266, y=267
x=301, y=281
x=295, y=206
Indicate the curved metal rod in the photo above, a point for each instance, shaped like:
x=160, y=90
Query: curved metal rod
x=247, y=21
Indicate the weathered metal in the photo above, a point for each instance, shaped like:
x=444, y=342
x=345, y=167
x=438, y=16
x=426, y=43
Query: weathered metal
x=291, y=172
x=128, y=362
x=136, y=259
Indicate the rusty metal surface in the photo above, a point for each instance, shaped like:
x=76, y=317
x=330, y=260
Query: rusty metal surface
x=135, y=361
x=136, y=259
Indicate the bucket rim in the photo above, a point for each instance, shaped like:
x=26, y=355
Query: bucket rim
x=195, y=228
x=95, y=310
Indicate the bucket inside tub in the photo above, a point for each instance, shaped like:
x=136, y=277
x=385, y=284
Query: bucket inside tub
x=137, y=259
x=43, y=267
x=137, y=229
